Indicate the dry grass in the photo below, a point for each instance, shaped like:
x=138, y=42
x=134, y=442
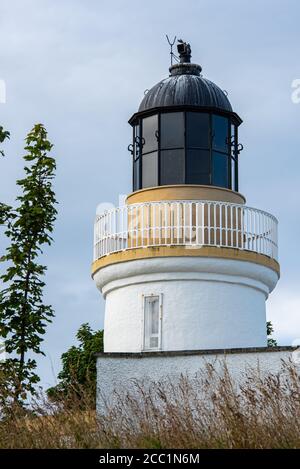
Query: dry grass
x=208, y=411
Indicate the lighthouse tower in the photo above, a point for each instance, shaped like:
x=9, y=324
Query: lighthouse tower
x=185, y=265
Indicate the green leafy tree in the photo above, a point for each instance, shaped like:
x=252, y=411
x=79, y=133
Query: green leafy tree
x=4, y=134
x=5, y=212
x=270, y=330
x=23, y=315
x=4, y=209
x=78, y=372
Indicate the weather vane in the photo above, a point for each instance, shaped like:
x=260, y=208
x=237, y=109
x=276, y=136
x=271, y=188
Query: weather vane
x=171, y=44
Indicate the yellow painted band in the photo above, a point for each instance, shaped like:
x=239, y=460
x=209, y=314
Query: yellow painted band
x=184, y=251
x=185, y=192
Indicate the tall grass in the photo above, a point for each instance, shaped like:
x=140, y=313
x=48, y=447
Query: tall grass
x=209, y=410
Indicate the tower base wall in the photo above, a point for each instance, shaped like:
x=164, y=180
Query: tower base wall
x=206, y=303
x=121, y=372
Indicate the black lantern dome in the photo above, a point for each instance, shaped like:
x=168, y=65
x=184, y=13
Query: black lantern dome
x=185, y=87
x=185, y=131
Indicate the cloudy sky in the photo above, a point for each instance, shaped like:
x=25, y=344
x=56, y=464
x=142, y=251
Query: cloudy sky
x=81, y=68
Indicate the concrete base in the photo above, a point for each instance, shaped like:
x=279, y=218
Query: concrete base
x=117, y=371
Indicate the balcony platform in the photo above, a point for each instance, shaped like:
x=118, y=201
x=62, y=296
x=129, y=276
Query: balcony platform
x=187, y=224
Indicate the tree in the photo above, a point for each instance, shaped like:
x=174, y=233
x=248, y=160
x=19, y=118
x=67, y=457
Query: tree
x=79, y=365
x=4, y=209
x=23, y=316
x=270, y=330
x=4, y=134
x=4, y=214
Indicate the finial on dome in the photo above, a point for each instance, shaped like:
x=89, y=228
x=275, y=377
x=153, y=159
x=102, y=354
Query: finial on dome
x=184, y=51
x=184, y=67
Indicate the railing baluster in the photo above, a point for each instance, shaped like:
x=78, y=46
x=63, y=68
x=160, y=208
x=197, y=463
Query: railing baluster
x=202, y=223
x=258, y=232
x=250, y=230
x=122, y=227
x=142, y=227
x=262, y=234
x=221, y=224
x=172, y=223
x=178, y=222
x=208, y=222
x=215, y=223
x=136, y=225
x=236, y=227
x=197, y=223
x=191, y=221
x=226, y=226
x=166, y=224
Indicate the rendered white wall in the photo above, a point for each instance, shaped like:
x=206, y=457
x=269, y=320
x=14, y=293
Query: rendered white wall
x=118, y=373
x=208, y=303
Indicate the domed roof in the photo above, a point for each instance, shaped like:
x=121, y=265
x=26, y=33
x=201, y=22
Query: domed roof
x=185, y=89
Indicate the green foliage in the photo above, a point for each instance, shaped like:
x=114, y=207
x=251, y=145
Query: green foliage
x=4, y=209
x=4, y=134
x=270, y=330
x=79, y=365
x=23, y=316
x=5, y=213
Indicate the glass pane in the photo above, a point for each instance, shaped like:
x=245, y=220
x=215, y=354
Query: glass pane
x=197, y=129
x=232, y=136
x=150, y=170
x=136, y=174
x=198, y=167
x=172, y=130
x=153, y=342
x=150, y=134
x=232, y=174
x=154, y=317
x=220, y=169
x=172, y=167
x=220, y=133
x=151, y=322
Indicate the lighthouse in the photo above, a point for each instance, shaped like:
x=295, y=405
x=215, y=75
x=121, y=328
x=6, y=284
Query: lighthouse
x=185, y=265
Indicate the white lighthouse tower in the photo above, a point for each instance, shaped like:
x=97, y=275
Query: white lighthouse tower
x=185, y=265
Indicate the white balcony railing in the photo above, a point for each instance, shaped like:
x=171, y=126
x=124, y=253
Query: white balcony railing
x=186, y=223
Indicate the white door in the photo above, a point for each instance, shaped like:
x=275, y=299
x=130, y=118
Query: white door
x=152, y=322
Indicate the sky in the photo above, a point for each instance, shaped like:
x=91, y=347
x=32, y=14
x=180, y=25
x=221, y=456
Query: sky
x=81, y=68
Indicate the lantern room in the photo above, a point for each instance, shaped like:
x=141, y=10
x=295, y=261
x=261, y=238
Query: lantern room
x=185, y=131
